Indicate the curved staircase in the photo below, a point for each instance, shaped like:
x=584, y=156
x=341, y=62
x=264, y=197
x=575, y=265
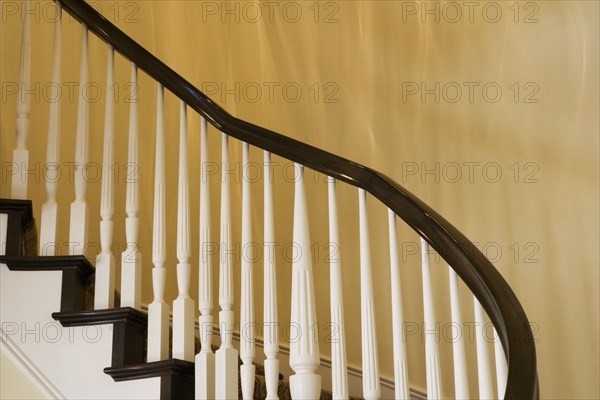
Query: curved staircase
x=81, y=335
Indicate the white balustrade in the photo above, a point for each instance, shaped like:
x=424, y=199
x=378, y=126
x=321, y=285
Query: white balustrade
x=339, y=368
x=401, y=387
x=304, y=351
x=461, y=380
x=484, y=375
x=79, y=208
x=158, y=310
x=183, y=306
x=217, y=374
x=205, y=360
x=247, y=324
x=501, y=366
x=370, y=362
x=50, y=207
x=20, y=153
x=271, y=321
x=131, y=258
x=105, y=261
x=226, y=358
x=432, y=356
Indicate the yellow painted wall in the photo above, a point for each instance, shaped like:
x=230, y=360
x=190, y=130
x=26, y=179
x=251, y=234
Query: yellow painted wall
x=516, y=171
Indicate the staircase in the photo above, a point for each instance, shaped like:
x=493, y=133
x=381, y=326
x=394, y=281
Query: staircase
x=81, y=334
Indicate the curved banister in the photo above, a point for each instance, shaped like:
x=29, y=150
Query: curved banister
x=482, y=278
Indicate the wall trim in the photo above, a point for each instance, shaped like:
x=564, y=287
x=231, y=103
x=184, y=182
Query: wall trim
x=325, y=362
x=12, y=351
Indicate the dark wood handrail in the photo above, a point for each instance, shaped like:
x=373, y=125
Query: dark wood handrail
x=482, y=278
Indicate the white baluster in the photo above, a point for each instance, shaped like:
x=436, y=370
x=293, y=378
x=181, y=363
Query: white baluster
x=183, y=306
x=158, y=310
x=339, y=368
x=205, y=360
x=79, y=209
x=401, y=387
x=484, y=375
x=434, y=378
x=271, y=338
x=304, y=351
x=501, y=367
x=131, y=258
x=105, y=262
x=370, y=362
x=50, y=208
x=247, y=325
x=461, y=380
x=226, y=358
x=20, y=153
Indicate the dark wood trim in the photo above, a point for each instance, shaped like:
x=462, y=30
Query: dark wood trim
x=49, y=263
x=14, y=234
x=23, y=207
x=129, y=330
x=177, y=377
x=20, y=221
x=76, y=271
x=478, y=273
x=98, y=317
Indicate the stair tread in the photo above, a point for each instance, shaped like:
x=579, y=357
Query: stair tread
x=105, y=316
x=151, y=369
x=87, y=316
x=49, y=263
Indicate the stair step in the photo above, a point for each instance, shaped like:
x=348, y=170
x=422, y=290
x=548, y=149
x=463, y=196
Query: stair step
x=76, y=272
x=177, y=376
x=129, y=331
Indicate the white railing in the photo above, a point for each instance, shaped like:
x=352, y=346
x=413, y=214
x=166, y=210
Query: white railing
x=49, y=218
x=305, y=383
x=217, y=374
x=158, y=310
x=271, y=320
x=432, y=354
x=105, y=261
x=370, y=359
x=183, y=306
x=131, y=258
x=461, y=379
x=79, y=208
x=339, y=367
x=402, y=389
x=205, y=359
x=226, y=358
x=20, y=153
x=247, y=323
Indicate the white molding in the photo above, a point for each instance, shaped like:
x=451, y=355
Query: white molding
x=12, y=351
x=3, y=233
x=355, y=373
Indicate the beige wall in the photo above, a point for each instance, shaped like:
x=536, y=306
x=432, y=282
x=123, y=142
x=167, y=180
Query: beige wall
x=541, y=214
x=15, y=384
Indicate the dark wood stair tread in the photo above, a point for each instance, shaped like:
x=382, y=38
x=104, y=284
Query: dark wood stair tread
x=176, y=376
x=105, y=316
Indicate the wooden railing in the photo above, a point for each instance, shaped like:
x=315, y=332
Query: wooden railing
x=217, y=374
